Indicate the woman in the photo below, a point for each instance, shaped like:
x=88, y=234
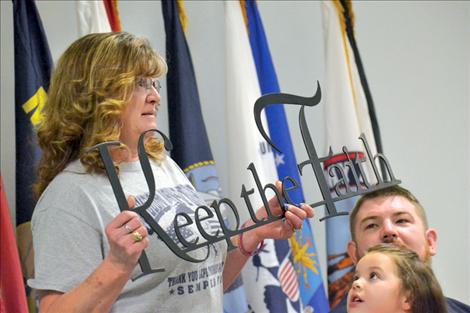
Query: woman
x=393, y=279
x=86, y=252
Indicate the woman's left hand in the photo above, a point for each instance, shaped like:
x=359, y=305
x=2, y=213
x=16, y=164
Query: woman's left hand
x=281, y=229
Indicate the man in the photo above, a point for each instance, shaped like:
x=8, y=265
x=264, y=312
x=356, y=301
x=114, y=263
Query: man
x=392, y=215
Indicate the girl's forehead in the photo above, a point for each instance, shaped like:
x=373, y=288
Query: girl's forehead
x=376, y=260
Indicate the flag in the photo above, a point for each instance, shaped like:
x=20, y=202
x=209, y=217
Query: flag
x=112, y=12
x=12, y=292
x=93, y=17
x=191, y=149
x=348, y=113
x=269, y=277
x=304, y=252
x=33, y=65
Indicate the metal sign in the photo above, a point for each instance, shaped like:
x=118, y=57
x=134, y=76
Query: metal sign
x=342, y=186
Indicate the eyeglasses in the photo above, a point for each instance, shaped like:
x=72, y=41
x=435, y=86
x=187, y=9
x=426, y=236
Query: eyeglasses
x=148, y=83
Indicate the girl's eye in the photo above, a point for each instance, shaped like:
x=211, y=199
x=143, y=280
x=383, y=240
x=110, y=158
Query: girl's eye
x=373, y=276
x=355, y=277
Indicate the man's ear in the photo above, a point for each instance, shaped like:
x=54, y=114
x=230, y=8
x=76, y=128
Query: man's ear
x=431, y=239
x=352, y=251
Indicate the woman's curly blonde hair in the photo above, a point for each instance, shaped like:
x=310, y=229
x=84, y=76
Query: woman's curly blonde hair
x=90, y=87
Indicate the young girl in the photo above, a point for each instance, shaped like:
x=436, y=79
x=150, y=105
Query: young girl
x=390, y=279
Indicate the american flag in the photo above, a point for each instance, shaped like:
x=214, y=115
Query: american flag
x=288, y=279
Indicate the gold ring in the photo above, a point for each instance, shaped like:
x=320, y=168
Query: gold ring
x=137, y=236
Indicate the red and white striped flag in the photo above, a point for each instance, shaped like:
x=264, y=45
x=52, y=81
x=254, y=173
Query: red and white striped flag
x=288, y=279
x=97, y=16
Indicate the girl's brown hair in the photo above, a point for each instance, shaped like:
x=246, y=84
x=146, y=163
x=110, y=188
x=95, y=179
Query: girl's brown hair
x=417, y=279
x=90, y=87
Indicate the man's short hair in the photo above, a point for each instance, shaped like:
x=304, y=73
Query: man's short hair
x=386, y=192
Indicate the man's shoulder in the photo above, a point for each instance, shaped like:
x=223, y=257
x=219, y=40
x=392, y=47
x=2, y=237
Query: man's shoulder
x=457, y=306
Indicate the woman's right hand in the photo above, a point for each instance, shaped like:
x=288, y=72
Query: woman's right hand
x=123, y=236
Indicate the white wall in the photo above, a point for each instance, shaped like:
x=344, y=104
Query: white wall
x=416, y=57
x=468, y=133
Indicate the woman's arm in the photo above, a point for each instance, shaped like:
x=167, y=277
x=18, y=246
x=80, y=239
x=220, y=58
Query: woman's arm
x=96, y=294
x=101, y=289
x=281, y=229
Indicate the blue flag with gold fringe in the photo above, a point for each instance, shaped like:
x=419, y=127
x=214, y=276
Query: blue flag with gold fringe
x=33, y=64
x=191, y=149
x=304, y=254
